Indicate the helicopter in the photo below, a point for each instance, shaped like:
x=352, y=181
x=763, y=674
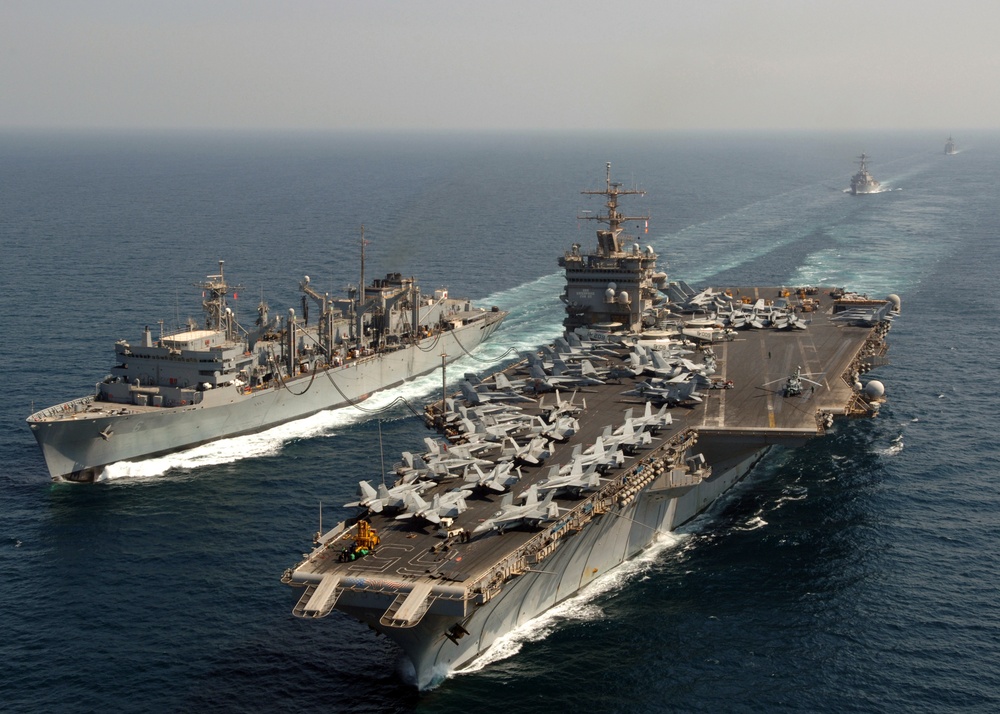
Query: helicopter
x=793, y=383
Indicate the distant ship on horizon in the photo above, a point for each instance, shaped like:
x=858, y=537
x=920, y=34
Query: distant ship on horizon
x=863, y=182
x=949, y=147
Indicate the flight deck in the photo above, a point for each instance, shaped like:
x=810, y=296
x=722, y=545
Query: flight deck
x=744, y=405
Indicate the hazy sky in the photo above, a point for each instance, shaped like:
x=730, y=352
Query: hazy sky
x=500, y=65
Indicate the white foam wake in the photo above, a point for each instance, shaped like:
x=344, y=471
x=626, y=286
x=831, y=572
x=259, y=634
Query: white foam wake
x=581, y=607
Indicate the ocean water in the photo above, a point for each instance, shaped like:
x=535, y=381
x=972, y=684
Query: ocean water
x=857, y=574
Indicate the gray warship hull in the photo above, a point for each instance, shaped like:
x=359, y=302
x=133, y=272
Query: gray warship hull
x=608, y=541
x=70, y=434
x=864, y=187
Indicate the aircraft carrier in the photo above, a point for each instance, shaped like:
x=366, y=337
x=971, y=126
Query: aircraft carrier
x=222, y=379
x=553, y=472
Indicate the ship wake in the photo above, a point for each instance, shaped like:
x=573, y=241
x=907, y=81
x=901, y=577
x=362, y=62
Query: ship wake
x=582, y=607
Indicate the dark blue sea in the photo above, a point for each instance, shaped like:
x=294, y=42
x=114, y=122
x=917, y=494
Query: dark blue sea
x=858, y=574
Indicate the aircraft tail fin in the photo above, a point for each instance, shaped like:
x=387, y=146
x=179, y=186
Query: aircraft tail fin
x=470, y=394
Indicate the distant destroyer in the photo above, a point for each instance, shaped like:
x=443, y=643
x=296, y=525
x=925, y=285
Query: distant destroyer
x=657, y=400
x=176, y=390
x=863, y=182
x=949, y=147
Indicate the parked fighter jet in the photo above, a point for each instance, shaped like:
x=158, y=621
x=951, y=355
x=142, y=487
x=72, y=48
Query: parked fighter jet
x=531, y=513
x=626, y=438
x=475, y=396
x=550, y=382
x=441, y=509
x=500, y=478
x=411, y=468
x=650, y=421
x=597, y=456
x=562, y=429
x=576, y=481
x=562, y=408
x=384, y=497
x=667, y=392
x=442, y=460
x=592, y=345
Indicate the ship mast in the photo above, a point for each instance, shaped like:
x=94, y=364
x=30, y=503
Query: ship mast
x=361, y=294
x=609, y=241
x=216, y=315
x=363, y=243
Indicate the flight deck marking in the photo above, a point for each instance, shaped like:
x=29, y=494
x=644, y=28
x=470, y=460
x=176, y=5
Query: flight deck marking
x=720, y=419
x=770, y=394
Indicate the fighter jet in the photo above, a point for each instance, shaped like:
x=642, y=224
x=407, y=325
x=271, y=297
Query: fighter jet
x=384, y=497
x=575, y=482
x=474, y=396
x=561, y=408
x=626, y=438
x=594, y=346
x=562, y=429
x=500, y=478
x=667, y=392
x=550, y=382
x=442, y=461
x=412, y=467
x=531, y=513
x=597, y=456
x=442, y=508
x=649, y=421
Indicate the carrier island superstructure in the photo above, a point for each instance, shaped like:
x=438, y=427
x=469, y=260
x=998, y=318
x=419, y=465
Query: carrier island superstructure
x=560, y=468
x=176, y=390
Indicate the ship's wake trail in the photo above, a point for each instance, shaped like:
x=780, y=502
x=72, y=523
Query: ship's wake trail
x=534, y=319
x=809, y=236
x=894, y=448
x=746, y=234
x=582, y=607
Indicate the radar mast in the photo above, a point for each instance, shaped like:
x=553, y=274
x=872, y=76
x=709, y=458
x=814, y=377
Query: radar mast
x=609, y=242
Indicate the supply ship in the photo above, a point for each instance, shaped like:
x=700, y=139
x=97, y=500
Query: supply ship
x=863, y=182
x=551, y=473
x=176, y=390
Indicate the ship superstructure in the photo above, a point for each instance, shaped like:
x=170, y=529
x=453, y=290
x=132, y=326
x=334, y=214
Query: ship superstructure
x=615, y=286
x=558, y=469
x=178, y=389
x=863, y=182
